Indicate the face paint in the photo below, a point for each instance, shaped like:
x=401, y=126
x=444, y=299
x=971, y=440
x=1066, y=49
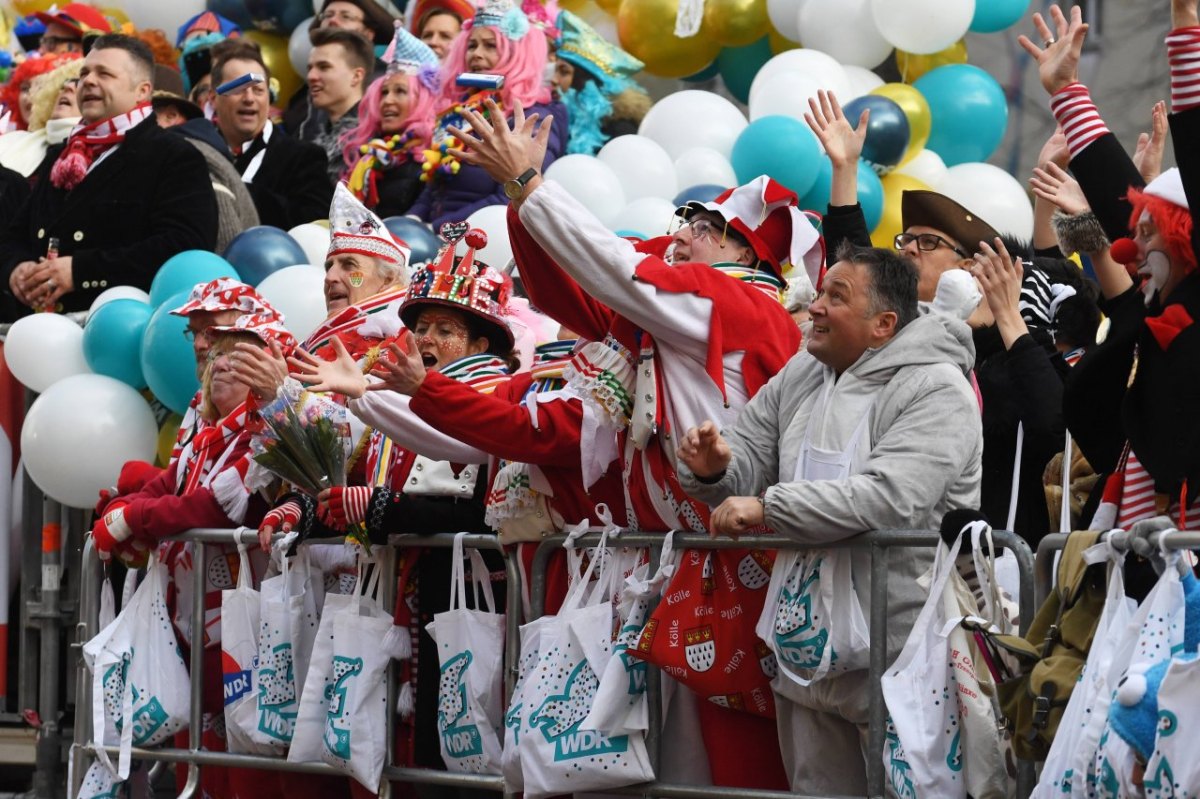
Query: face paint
x=1156, y=269
x=356, y=279
x=441, y=338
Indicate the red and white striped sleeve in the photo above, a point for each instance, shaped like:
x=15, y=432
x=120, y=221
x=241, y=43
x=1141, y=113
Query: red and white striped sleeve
x=1075, y=112
x=1183, y=54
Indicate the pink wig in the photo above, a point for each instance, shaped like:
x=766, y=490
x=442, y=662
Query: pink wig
x=422, y=103
x=522, y=63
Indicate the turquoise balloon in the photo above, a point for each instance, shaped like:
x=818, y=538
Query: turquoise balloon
x=870, y=194
x=969, y=112
x=184, y=270
x=112, y=340
x=168, y=361
x=631, y=234
x=739, y=65
x=817, y=198
x=996, y=15
x=780, y=147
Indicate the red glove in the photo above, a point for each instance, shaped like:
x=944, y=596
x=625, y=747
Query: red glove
x=281, y=518
x=346, y=505
x=107, y=495
x=135, y=475
x=111, y=530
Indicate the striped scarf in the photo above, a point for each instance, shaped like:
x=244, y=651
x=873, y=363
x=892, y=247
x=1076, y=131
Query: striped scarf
x=766, y=282
x=345, y=323
x=89, y=142
x=204, y=462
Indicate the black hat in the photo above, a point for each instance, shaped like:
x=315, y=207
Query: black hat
x=375, y=18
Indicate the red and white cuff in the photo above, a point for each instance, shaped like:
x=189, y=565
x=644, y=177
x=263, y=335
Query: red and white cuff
x=1076, y=114
x=1183, y=55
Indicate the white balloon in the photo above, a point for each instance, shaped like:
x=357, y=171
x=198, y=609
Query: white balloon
x=298, y=293
x=991, y=194
x=642, y=166
x=118, y=293
x=314, y=240
x=650, y=216
x=923, y=26
x=783, y=15
x=109, y=421
x=693, y=118
x=44, y=348
x=299, y=47
x=821, y=69
x=784, y=94
x=845, y=30
x=590, y=181
x=926, y=166
x=704, y=166
x=157, y=14
x=493, y=220
x=862, y=82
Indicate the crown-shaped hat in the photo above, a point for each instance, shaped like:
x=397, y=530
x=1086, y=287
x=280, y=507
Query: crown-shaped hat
x=407, y=53
x=583, y=47
x=463, y=283
x=224, y=294
x=354, y=229
x=505, y=16
x=268, y=327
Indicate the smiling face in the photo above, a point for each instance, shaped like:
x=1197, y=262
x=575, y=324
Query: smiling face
x=66, y=104
x=705, y=239
x=482, y=50
x=351, y=278
x=439, y=31
x=242, y=115
x=394, y=104
x=843, y=326
x=443, y=337
x=110, y=84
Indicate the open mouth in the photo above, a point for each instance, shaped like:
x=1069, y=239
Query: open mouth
x=429, y=359
x=820, y=329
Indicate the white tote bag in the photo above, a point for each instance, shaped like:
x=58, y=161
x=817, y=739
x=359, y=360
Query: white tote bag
x=140, y=686
x=1174, y=762
x=240, y=621
x=314, y=697
x=515, y=721
x=812, y=619
x=470, y=646
x=1074, y=749
x=287, y=628
x=558, y=755
x=364, y=641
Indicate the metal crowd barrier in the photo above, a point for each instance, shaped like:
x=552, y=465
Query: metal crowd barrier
x=1051, y=545
x=878, y=543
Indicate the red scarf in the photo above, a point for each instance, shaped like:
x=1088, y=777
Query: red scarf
x=89, y=142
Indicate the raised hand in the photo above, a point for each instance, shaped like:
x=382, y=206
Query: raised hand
x=1000, y=279
x=1148, y=154
x=1058, y=56
x=842, y=141
x=704, y=451
x=1184, y=13
x=341, y=375
x=1054, y=185
x=263, y=369
x=1055, y=150
x=403, y=372
x=503, y=152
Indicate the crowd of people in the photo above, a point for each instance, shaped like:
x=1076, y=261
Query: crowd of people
x=691, y=386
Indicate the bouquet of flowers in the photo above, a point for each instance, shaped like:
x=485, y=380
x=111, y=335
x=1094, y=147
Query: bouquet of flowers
x=303, y=442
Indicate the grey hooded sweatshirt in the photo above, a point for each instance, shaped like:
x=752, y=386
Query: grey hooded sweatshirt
x=920, y=457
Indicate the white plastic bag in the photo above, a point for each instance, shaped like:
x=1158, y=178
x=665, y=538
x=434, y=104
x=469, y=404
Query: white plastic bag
x=140, y=687
x=470, y=647
x=812, y=619
x=287, y=628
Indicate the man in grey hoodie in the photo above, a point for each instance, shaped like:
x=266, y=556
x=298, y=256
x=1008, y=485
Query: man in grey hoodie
x=874, y=426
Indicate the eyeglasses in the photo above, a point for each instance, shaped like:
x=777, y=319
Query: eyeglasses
x=54, y=42
x=343, y=16
x=703, y=226
x=192, y=335
x=926, y=242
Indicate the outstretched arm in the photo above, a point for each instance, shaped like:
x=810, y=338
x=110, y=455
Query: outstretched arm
x=842, y=141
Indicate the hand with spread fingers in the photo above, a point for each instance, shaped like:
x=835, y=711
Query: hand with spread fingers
x=736, y=517
x=1060, y=50
x=403, y=372
x=1148, y=155
x=1000, y=279
x=1054, y=185
x=503, y=152
x=843, y=144
x=263, y=369
x=341, y=375
x=704, y=451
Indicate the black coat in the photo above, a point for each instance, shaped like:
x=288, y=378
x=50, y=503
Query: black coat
x=149, y=200
x=291, y=186
x=398, y=189
x=1105, y=173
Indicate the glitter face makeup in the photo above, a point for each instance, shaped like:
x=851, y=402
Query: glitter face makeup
x=443, y=337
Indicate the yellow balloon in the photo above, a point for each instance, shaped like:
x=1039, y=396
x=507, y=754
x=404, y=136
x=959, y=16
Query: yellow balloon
x=913, y=65
x=118, y=17
x=736, y=23
x=646, y=30
x=889, y=225
x=275, y=52
x=916, y=109
x=611, y=6
x=780, y=43
x=166, y=439
x=575, y=6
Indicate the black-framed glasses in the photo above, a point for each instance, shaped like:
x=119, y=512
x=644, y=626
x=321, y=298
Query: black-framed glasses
x=192, y=335
x=926, y=242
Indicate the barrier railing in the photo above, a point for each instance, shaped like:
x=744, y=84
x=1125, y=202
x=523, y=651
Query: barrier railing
x=1051, y=545
x=878, y=543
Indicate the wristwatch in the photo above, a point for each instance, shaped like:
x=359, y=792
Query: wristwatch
x=515, y=187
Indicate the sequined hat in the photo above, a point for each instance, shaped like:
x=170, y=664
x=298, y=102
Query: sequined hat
x=586, y=49
x=354, y=229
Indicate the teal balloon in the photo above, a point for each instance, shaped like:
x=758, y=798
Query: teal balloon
x=817, y=198
x=887, y=130
x=739, y=65
x=631, y=234
x=780, y=147
x=870, y=194
x=112, y=340
x=708, y=73
x=168, y=362
x=423, y=242
x=184, y=270
x=258, y=251
x=996, y=15
x=969, y=112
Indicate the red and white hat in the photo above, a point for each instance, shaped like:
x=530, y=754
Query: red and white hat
x=267, y=326
x=79, y=17
x=1168, y=186
x=768, y=216
x=354, y=229
x=225, y=294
